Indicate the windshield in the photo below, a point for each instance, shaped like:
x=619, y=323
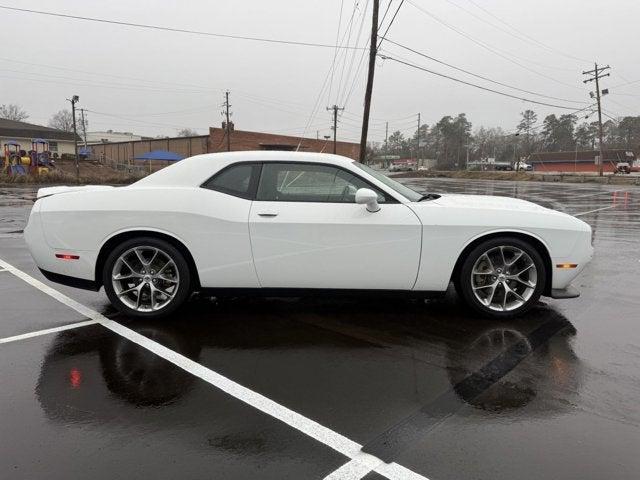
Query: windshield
x=410, y=194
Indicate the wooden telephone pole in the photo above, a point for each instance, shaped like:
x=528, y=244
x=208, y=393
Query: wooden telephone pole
x=227, y=124
x=596, y=75
x=335, y=109
x=373, y=50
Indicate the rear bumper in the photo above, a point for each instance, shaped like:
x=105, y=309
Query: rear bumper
x=567, y=292
x=70, y=281
x=82, y=269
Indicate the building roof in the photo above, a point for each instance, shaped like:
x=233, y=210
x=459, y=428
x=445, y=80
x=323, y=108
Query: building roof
x=13, y=128
x=615, y=155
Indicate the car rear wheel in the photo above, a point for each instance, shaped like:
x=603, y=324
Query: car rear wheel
x=502, y=277
x=146, y=277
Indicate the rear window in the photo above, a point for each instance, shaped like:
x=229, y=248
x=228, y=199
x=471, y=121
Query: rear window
x=237, y=180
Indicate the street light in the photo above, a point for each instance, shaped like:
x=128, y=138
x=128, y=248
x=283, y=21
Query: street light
x=73, y=101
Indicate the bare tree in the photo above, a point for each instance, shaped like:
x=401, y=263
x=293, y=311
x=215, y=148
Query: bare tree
x=62, y=121
x=13, y=112
x=187, y=132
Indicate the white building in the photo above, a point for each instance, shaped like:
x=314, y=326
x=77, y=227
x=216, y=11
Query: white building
x=11, y=130
x=110, y=136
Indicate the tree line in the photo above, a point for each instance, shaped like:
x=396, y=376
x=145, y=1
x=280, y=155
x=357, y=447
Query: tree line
x=451, y=139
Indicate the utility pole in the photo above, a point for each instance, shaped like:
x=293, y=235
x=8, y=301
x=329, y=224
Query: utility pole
x=84, y=127
x=73, y=101
x=596, y=74
x=335, y=109
x=386, y=137
x=418, y=142
x=227, y=124
x=373, y=50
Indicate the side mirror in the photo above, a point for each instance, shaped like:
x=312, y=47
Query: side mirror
x=369, y=198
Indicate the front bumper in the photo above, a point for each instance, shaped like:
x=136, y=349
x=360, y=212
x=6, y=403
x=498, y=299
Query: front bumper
x=567, y=292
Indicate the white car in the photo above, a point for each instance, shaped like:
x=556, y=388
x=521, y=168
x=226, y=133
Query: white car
x=288, y=223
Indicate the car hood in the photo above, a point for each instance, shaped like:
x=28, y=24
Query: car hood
x=488, y=202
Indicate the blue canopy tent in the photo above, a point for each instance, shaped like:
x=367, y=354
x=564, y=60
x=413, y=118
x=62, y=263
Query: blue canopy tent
x=164, y=155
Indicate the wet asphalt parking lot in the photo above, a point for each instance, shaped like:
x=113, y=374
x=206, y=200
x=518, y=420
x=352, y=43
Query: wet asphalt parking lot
x=336, y=387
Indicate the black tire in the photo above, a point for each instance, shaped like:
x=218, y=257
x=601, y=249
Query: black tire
x=464, y=280
x=182, y=291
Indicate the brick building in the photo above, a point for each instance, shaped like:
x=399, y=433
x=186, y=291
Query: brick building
x=216, y=141
x=580, y=161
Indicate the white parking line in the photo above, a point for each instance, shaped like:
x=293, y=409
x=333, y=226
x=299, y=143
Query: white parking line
x=47, y=331
x=360, y=464
x=593, y=211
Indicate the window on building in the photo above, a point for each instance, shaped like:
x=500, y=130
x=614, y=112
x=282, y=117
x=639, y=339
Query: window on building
x=53, y=146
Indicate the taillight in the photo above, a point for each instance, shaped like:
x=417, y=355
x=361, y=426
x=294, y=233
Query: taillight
x=67, y=256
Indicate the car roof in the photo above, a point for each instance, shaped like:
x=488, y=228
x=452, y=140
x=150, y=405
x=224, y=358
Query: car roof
x=195, y=170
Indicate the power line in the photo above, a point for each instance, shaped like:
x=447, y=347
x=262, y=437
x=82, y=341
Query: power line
x=479, y=76
x=335, y=53
x=107, y=84
x=386, y=57
x=342, y=88
x=316, y=105
x=355, y=77
x=346, y=35
x=174, y=29
x=520, y=34
x=626, y=83
x=139, y=121
x=390, y=23
x=71, y=81
x=489, y=48
x=101, y=74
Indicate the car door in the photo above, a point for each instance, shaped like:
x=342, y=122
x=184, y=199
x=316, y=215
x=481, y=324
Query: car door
x=307, y=232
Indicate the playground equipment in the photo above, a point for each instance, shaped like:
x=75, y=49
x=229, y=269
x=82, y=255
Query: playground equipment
x=16, y=161
x=41, y=161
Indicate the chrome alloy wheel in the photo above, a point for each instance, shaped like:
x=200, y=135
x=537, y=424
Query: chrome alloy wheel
x=145, y=278
x=504, y=278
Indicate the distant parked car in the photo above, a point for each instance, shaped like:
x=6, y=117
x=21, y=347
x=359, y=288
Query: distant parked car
x=623, y=167
x=523, y=166
x=502, y=166
x=402, y=167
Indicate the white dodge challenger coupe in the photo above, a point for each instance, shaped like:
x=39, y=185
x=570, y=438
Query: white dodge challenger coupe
x=288, y=223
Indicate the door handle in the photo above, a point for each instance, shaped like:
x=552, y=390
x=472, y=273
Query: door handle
x=268, y=214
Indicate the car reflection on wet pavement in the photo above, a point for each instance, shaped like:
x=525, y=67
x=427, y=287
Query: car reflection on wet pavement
x=431, y=387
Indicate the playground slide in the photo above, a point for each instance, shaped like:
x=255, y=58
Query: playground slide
x=18, y=170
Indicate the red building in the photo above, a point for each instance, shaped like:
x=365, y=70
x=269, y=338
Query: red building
x=579, y=161
x=216, y=141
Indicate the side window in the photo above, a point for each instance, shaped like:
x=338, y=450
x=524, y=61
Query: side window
x=237, y=180
x=298, y=182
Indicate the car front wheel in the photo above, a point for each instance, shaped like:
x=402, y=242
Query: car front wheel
x=502, y=277
x=146, y=277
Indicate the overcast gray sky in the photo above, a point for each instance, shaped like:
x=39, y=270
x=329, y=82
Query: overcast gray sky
x=142, y=75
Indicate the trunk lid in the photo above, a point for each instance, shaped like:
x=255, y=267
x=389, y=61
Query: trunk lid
x=48, y=191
